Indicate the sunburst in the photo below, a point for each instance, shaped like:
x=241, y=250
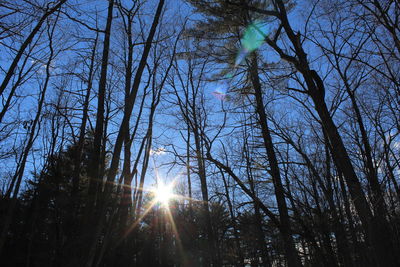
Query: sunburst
x=163, y=193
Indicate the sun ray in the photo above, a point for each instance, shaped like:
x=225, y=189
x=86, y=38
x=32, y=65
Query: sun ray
x=162, y=195
x=176, y=233
x=138, y=220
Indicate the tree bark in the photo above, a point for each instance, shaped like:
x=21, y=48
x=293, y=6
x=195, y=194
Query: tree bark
x=285, y=229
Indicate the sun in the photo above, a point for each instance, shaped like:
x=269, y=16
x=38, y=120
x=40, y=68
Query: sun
x=163, y=193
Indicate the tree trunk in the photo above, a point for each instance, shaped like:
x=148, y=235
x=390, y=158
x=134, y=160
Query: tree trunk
x=121, y=136
x=95, y=177
x=31, y=139
x=285, y=229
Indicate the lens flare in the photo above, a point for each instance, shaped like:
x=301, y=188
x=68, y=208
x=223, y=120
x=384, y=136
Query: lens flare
x=220, y=91
x=253, y=38
x=241, y=55
x=229, y=75
x=163, y=193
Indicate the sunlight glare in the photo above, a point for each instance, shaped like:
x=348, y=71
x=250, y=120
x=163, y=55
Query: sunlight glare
x=163, y=193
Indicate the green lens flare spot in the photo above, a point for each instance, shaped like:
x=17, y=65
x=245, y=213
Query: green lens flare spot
x=254, y=35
